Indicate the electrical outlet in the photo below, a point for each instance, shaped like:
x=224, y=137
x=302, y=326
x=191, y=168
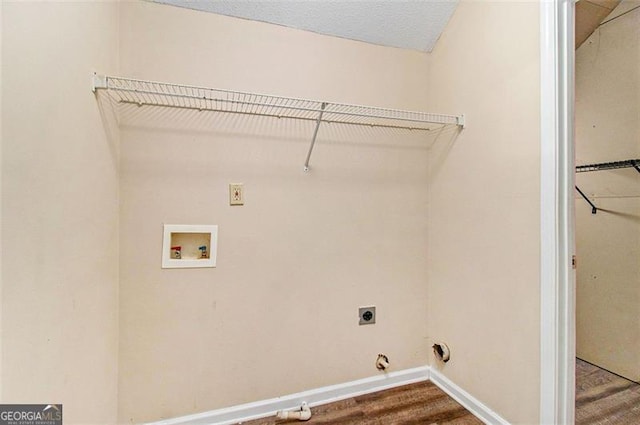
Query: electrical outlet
x=367, y=315
x=236, y=194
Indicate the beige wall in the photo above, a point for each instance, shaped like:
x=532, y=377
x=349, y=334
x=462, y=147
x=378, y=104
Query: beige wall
x=279, y=312
x=608, y=243
x=59, y=210
x=440, y=233
x=1, y=148
x=484, y=207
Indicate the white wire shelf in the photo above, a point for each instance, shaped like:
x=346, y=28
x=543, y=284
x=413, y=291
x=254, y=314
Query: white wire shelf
x=159, y=94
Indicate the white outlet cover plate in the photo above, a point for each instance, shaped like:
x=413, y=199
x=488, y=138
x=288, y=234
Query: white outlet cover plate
x=236, y=194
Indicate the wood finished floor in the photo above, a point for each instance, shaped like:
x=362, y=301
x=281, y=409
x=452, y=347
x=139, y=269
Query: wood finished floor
x=603, y=398
x=421, y=403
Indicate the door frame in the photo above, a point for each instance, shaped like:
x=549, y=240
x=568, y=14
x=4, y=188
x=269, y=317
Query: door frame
x=557, y=243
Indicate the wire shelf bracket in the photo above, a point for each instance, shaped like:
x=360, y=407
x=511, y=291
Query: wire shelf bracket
x=315, y=135
x=628, y=163
x=168, y=95
x=594, y=209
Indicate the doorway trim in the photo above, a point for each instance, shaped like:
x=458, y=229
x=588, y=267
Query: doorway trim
x=557, y=246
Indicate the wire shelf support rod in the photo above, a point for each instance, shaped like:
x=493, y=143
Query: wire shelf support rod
x=315, y=135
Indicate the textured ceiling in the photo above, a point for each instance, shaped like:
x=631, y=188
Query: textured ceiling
x=407, y=24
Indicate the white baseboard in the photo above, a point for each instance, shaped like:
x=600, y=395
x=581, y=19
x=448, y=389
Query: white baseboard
x=324, y=395
x=469, y=402
x=318, y=396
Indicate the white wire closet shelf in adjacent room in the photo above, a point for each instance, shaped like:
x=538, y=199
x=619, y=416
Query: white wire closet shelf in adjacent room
x=159, y=94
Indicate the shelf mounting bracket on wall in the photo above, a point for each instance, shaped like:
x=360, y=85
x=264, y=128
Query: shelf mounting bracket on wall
x=315, y=135
x=628, y=163
x=169, y=95
x=594, y=209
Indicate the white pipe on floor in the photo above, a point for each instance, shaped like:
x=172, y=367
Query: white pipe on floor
x=304, y=414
